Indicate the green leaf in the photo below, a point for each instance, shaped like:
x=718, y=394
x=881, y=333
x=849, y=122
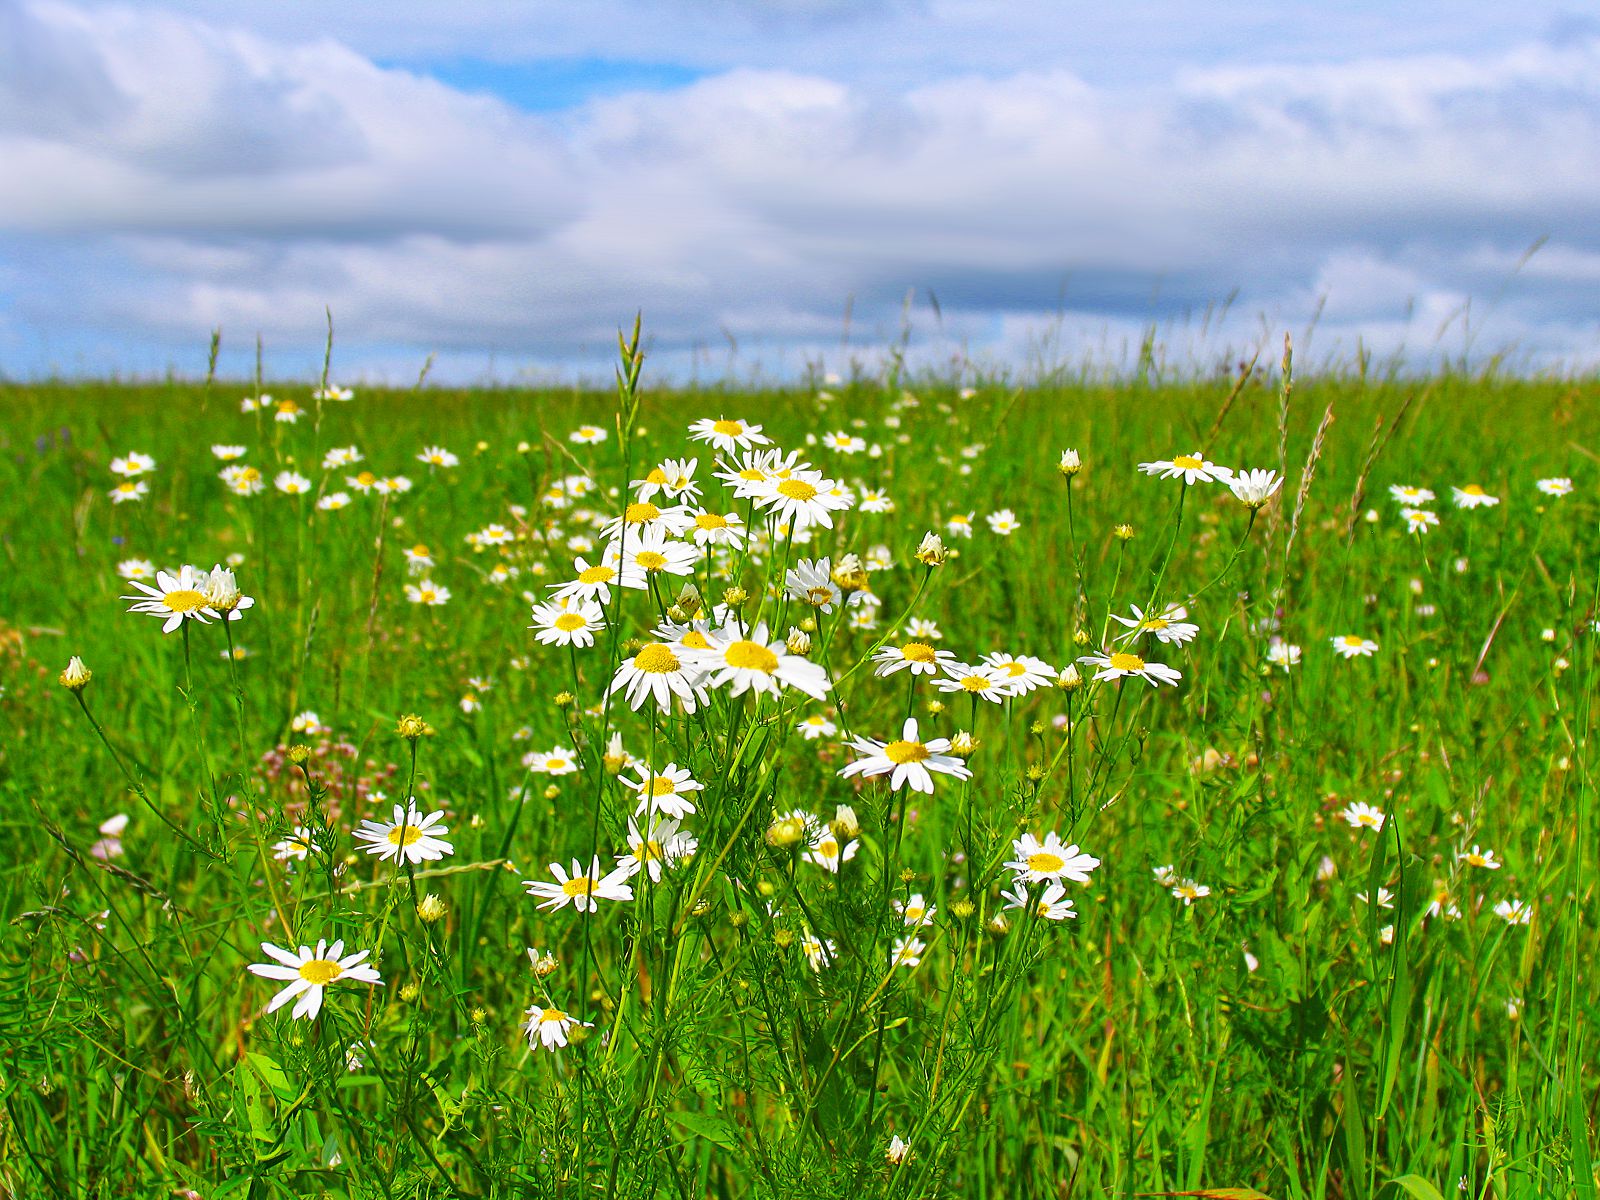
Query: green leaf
x=1417, y=1186
x=713, y=1129
x=273, y=1076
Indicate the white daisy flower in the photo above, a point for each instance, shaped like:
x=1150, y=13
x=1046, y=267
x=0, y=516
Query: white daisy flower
x=411, y=836
x=177, y=597
x=667, y=791
x=1050, y=859
x=311, y=972
x=750, y=660
x=907, y=761
x=1473, y=496
x=1168, y=627
x=728, y=435
x=1191, y=468
x=659, y=672
x=811, y=582
x=567, y=622
x=1021, y=673
x=1351, y=646
x=1053, y=903
x=550, y=1027
x=580, y=889
x=1116, y=664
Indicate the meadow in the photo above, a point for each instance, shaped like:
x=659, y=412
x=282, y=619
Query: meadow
x=571, y=793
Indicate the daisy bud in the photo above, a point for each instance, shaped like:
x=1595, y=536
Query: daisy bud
x=222, y=590
x=1081, y=638
x=898, y=1150
x=1069, y=680
x=563, y=699
x=799, y=641
x=1070, y=464
x=299, y=754
x=431, y=909
x=543, y=964
x=931, y=552
x=701, y=907
x=735, y=596
x=410, y=992
x=844, y=825
x=76, y=677
x=963, y=743
x=783, y=938
x=1123, y=533
x=738, y=918
x=998, y=926
x=551, y=792
x=935, y=707
x=962, y=909
x=785, y=833
x=412, y=727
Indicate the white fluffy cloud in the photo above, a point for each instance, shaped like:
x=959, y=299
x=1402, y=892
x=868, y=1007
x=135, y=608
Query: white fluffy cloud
x=166, y=174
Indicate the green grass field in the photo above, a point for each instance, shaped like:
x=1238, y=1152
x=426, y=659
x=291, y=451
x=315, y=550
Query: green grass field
x=1340, y=938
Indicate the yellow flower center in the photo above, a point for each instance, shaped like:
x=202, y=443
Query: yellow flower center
x=419, y=551
x=366, y=479
x=752, y=474
x=914, y=912
x=651, y=560
x=320, y=972
x=694, y=640
x=1188, y=462
x=1156, y=623
x=751, y=656
x=918, y=652
x=427, y=596
x=555, y=764
x=567, y=622
x=648, y=851
x=662, y=785
x=1126, y=662
x=553, y=1014
x=905, y=752
x=710, y=520
x=288, y=406
x=977, y=683
x=1045, y=863
x=405, y=835
x=656, y=476
x=1352, y=640
x=597, y=575
x=248, y=474
x=578, y=885
x=820, y=596
x=1473, y=489
x=1014, y=669
x=731, y=428
x=828, y=848
x=184, y=600
x=640, y=513
x=797, y=489
x=127, y=487
x=656, y=659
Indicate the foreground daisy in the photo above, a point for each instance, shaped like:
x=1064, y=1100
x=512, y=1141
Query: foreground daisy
x=1514, y=912
x=1255, y=488
x=176, y=597
x=411, y=837
x=567, y=622
x=1052, y=903
x=1283, y=654
x=580, y=889
x=920, y=657
x=1189, y=891
x=1473, y=496
x=906, y=761
x=661, y=846
x=1050, y=859
x=1119, y=663
x=1558, y=486
x=1191, y=468
x=1351, y=646
x=1168, y=626
x=754, y=661
x=1405, y=493
x=728, y=435
x=984, y=682
x=1363, y=816
x=310, y=972
x=1479, y=858
x=657, y=672
x=549, y=1027
x=1021, y=673
x=1419, y=520
x=668, y=792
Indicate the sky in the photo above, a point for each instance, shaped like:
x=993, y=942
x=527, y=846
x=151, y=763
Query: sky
x=1010, y=185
